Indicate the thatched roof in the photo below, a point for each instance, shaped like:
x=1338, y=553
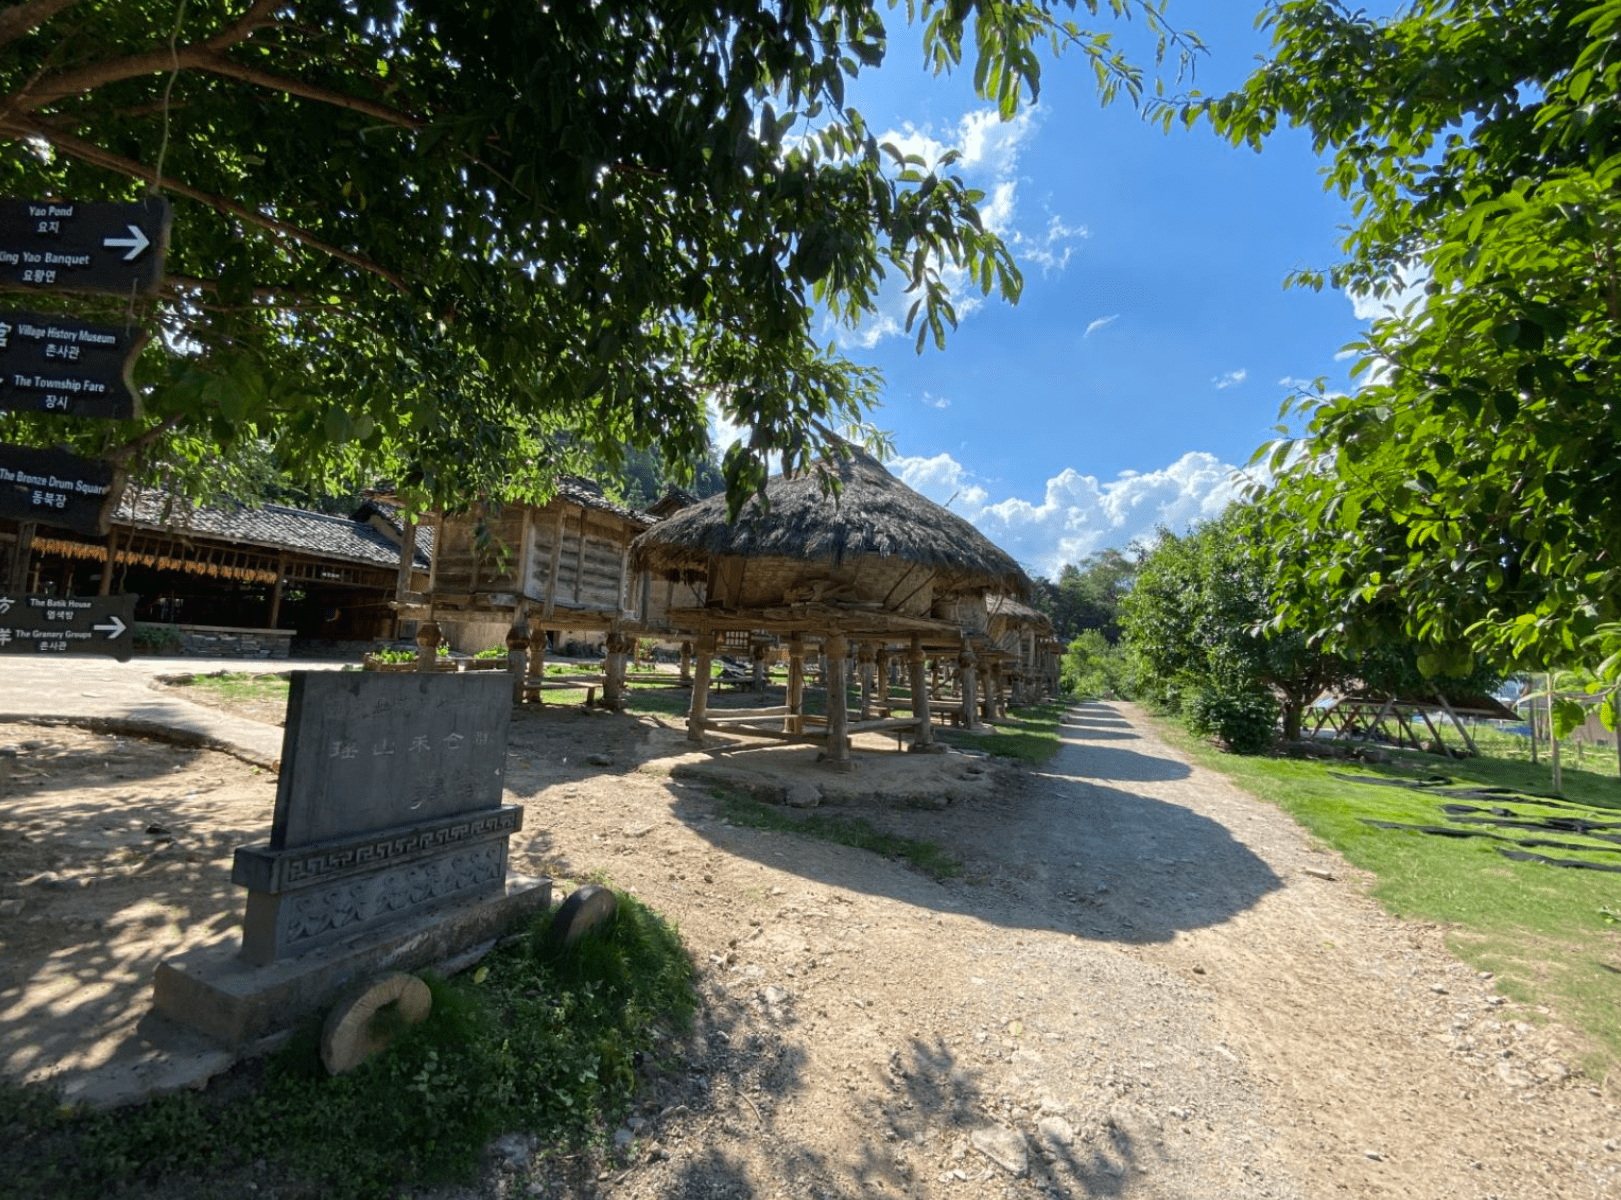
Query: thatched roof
x=1018, y=614
x=873, y=514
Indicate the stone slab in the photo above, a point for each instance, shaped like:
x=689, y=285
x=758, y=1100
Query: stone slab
x=367, y=751
x=213, y=991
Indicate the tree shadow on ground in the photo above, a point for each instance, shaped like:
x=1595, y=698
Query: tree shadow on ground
x=1095, y=845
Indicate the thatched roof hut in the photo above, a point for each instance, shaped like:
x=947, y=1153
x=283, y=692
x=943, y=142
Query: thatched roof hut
x=875, y=543
x=868, y=561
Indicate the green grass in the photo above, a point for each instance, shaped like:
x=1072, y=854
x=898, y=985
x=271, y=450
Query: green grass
x=1028, y=735
x=1548, y=933
x=925, y=856
x=527, y=1042
x=243, y=685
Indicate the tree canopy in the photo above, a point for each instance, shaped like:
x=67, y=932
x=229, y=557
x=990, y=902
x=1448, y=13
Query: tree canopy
x=1466, y=490
x=1202, y=625
x=468, y=246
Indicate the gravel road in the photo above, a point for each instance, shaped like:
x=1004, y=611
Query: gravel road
x=1148, y=984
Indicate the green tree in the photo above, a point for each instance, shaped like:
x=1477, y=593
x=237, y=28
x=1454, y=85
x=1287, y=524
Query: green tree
x=1199, y=622
x=1087, y=595
x=1095, y=668
x=1467, y=489
x=469, y=246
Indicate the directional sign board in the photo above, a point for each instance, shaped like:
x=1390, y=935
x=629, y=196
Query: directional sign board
x=67, y=625
x=59, y=365
x=83, y=246
x=56, y=488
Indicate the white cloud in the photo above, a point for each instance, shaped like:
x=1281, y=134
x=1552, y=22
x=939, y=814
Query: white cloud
x=934, y=401
x=1405, y=289
x=1078, y=514
x=1100, y=323
x=989, y=150
x=1230, y=379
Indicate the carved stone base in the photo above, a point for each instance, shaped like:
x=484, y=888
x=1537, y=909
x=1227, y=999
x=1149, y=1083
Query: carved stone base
x=212, y=990
x=301, y=899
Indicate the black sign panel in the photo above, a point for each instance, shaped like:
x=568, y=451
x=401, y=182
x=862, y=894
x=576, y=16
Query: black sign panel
x=67, y=625
x=59, y=365
x=56, y=488
x=82, y=246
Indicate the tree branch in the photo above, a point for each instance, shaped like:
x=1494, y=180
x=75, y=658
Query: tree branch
x=49, y=91
x=138, y=443
x=91, y=153
x=220, y=64
x=22, y=19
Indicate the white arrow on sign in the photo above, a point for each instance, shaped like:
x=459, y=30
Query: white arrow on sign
x=135, y=243
x=117, y=627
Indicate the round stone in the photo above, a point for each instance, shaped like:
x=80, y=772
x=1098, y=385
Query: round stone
x=358, y=1027
x=586, y=909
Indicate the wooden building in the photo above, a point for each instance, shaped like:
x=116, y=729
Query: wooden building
x=858, y=571
x=225, y=575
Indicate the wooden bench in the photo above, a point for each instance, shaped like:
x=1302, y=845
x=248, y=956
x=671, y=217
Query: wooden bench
x=534, y=686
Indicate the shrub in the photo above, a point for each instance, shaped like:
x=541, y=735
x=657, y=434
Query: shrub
x=1245, y=721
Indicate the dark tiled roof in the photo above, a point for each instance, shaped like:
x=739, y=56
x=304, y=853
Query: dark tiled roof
x=588, y=494
x=276, y=526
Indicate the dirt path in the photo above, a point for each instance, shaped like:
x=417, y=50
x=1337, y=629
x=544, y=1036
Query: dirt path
x=1144, y=987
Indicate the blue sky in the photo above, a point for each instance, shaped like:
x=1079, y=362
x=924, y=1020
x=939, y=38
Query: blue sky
x=1154, y=341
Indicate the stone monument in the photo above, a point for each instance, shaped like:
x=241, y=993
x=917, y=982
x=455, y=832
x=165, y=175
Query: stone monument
x=387, y=851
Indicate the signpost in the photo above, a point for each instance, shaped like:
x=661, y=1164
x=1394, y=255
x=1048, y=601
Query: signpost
x=54, y=364
x=83, y=246
x=67, y=625
x=59, y=365
x=56, y=488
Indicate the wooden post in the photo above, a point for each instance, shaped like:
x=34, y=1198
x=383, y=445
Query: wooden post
x=613, y=671
x=987, y=687
x=518, y=653
x=794, y=722
x=686, y=662
x=537, y=661
x=757, y=658
x=22, y=556
x=923, y=739
x=428, y=639
x=934, y=677
x=864, y=658
x=1462, y=732
x=1553, y=740
x=275, y=591
x=699, y=710
x=970, y=707
x=106, y=588
x=837, y=649
x=885, y=663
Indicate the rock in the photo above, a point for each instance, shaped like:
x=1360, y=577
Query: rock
x=1318, y=873
x=623, y=1138
x=514, y=1150
x=803, y=795
x=1374, y=1155
x=353, y=1031
x=599, y=760
x=1513, y=1076
x=11, y=908
x=1004, y=1147
x=1056, y=1131
x=586, y=909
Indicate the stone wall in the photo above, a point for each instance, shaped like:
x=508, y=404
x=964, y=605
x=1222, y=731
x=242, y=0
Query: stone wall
x=214, y=641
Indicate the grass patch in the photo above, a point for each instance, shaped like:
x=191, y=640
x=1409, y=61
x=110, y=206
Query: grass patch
x=925, y=856
x=243, y=685
x=1028, y=735
x=1548, y=933
x=527, y=1042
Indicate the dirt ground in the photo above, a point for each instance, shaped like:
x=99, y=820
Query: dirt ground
x=1146, y=984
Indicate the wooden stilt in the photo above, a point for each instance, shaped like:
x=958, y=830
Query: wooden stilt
x=700, y=688
x=794, y=722
x=837, y=650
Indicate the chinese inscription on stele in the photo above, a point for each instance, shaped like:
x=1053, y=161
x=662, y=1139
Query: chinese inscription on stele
x=389, y=804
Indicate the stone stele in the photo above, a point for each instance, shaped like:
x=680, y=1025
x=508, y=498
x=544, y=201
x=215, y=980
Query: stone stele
x=388, y=849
